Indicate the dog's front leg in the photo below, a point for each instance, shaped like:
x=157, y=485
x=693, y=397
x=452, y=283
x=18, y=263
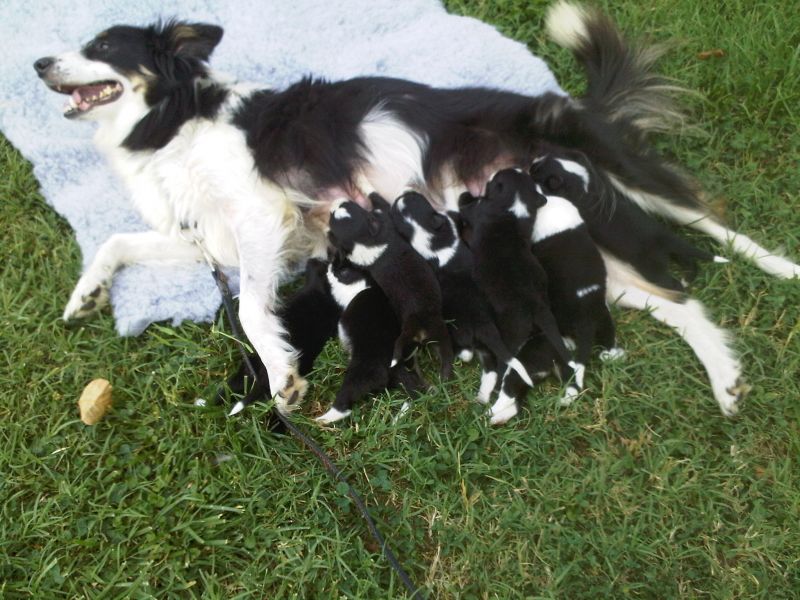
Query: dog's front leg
x=92, y=290
x=260, y=239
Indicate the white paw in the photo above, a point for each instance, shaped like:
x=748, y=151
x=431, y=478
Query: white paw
x=569, y=344
x=614, y=353
x=504, y=409
x=569, y=396
x=332, y=416
x=89, y=296
x=465, y=355
x=288, y=399
x=488, y=381
x=728, y=396
x=402, y=412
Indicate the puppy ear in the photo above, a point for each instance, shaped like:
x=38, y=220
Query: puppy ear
x=465, y=199
x=438, y=220
x=379, y=202
x=194, y=40
x=374, y=224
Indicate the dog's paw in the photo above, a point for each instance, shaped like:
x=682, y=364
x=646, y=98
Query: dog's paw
x=288, y=399
x=332, y=416
x=89, y=297
x=611, y=354
x=569, y=396
x=729, y=400
x=465, y=355
x=503, y=410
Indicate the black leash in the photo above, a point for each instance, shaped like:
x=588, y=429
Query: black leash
x=335, y=472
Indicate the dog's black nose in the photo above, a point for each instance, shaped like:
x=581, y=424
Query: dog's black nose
x=43, y=64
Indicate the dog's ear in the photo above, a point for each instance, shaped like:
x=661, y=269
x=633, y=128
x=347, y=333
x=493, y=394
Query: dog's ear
x=194, y=40
x=374, y=223
x=465, y=199
x=379, y=202
x=438, y=221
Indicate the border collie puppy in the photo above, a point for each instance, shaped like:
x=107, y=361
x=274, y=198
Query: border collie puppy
x=370, y=241
x=310, y=316
x=500, y=230
x=434, y=236
x=368, y=329
x=576, y=279
x=622, y=228
x=254, y=170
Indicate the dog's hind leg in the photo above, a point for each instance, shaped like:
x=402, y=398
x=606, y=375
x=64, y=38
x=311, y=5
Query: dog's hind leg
x=92, y=290
x=710, y=343
x=765, y=260
x=363, y=376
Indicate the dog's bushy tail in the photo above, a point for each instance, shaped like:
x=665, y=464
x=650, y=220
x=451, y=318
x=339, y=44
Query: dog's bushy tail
x=622, y=83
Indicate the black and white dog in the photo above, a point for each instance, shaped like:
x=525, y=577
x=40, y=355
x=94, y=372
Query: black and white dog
x=434, y=235
x=368, y=329
x=499, y=230
x=370, y=241
x=622, y=228
x=251, y=170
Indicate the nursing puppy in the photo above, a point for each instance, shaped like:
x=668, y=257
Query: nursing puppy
x=434, y=236
x=622, y=228
x=576, y=279
x=370, y=241
x=310, y=316
x=368, y=329
x=499, y=229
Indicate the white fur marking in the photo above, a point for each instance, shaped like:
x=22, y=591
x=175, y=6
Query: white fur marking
x=488, y=382
x=343, y=293
x=576, y=169
x=566, y=25
x=365, y=256
x=465, y=355
x=332, y=416
x=341, y=213
x=519, y=209
x=559, y=214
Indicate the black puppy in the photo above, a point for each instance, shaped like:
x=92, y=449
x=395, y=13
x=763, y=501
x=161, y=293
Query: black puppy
x=576, y=276
x=434, y=236
x=499, y=229
x=370, y=241
x=310, y=316
x=368, y=329
x=614, y=222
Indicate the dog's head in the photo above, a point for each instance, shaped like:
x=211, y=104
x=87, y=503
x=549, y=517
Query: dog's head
x=432, y=234
x=514, y=191
x=132, y=70
x=562, y=172
x=353, y=227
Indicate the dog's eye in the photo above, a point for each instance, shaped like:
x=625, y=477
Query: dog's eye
x=553, y=182
x=100, y=46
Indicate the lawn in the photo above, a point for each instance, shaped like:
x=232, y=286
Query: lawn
x=640, y=489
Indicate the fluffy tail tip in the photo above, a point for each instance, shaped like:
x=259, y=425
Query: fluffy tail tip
x=566, y=24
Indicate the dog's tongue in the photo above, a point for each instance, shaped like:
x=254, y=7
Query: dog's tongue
x=82, y=94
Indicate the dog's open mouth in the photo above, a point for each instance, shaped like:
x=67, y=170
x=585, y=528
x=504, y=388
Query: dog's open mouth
x=84, y=98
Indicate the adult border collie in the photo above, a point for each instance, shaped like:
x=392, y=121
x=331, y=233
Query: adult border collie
x=251, y=171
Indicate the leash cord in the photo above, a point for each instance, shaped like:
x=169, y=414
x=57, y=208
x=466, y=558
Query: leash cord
x=327, y=462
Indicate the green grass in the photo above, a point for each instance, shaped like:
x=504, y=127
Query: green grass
x=641, y=489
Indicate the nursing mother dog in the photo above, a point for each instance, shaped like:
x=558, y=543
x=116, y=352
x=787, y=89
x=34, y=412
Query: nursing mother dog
x=251, y=170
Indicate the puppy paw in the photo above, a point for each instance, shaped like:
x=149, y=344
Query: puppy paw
x=288, y=399
x=332, y=416
x=503, y=410
x=611, y=354
x=569, y=396
x=465, y=355
x=88, y=297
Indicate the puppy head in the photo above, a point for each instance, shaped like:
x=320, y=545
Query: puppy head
x=429, y=231
x=129, y=69
x=561, y=172
x=351, y=226
x=514, y=191
x=316, y=274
